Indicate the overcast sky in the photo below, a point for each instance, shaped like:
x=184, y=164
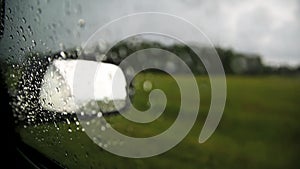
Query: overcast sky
x=267, y=27
x=270, y=28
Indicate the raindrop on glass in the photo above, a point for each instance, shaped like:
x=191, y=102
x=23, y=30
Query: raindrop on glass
x=33, y=43
x=23, y=38
x=23, y=20
x=39, y=11
x=63, y=55
x=68, y=122
x=36, y=18
x=100, y=57
x=129, y=71
x=29, y=30
x=147, y=85
x=99, y=114
x=61, y=46
x=81, y=23
x=21, y=29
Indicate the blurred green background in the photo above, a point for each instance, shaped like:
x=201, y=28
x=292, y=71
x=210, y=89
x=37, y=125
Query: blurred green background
x=259, y=129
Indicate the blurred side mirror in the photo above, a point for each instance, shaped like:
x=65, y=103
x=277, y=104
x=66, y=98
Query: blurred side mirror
x=57, y=92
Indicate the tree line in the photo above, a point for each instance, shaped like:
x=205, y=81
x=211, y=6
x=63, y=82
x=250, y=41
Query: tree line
x=233, y=62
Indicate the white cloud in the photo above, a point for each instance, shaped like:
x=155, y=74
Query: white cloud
x=270, y=27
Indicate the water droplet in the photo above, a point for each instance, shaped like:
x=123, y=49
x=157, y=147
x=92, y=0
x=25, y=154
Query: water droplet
x=33, y=43
x=122, y=52
x=63, y=55
x=21, y=29
x=68, y=122
x=102, y=128
x=114, y=55
x=23, y=38
x=29, y=30
x=61, y=46
x=129, y=71
x=81, y=23
x=106, y=100
x=93, y=112
x=102, y=45
x=147, y=85
x=11, y=36
x=36, y=18
x=100, y=57
x=23, y=20
x=99, y=114
x=39, y=11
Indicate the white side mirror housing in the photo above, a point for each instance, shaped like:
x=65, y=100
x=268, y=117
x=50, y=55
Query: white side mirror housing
x=57, y=92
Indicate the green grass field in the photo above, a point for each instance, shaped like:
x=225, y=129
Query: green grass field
x=260, y=128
